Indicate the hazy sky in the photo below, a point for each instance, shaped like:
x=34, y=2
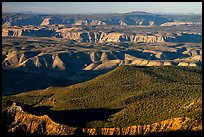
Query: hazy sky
x=103, y=7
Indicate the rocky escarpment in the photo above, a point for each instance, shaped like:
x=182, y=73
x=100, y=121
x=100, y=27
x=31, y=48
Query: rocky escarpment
x=35, y=32
x=103, y=37
x=79, y=36
x=12, y=32
x=100, y=37
x=120, y=37
x=19, y=121
x=16, y=120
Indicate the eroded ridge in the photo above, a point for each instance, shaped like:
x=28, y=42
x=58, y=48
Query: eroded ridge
x=17, y=120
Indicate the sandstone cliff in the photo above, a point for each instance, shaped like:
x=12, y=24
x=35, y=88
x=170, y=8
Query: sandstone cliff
x=102, y=37
x=12, y=32
x=81, y=36
x=17, y=120
x=20, y=121
x=35, y=32
x=45, y=22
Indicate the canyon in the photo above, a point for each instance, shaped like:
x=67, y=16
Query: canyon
x=134, y=73
x=76, y=34
x=77, y=62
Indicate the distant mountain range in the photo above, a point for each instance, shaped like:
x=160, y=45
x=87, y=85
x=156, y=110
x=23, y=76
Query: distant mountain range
x=137, y=12
x=132, y=18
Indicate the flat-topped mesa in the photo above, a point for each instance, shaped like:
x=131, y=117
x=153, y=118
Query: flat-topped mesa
x=17, y=120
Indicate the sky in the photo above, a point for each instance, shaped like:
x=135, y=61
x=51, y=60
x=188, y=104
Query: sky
x=103, y=7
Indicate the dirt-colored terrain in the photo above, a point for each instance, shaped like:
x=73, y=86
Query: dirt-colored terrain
x=17, y=120
x=134, y=73
x=78, y=62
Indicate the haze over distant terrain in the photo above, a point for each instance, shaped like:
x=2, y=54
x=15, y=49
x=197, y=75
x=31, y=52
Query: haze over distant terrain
x=102, y=7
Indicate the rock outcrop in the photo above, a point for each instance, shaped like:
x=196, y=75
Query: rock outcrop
x=88, y=36
x=20, y=121
x=174, y=124
x=97, y=22
x=35, y=32
x=17, y=120
x=102, y=37
x=45, y=22
x=122, y=23
x=81, y=22
x=12, y=32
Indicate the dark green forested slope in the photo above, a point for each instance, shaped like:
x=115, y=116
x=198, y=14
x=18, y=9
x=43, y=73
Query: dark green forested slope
x=139, y=95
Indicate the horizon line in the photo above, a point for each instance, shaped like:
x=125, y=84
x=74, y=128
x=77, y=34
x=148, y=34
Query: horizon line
x=160, y=13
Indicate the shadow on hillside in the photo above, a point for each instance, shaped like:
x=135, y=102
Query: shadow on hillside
x=17, y=81
x=75, y=118
x=195, y=38
x=191, y=69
